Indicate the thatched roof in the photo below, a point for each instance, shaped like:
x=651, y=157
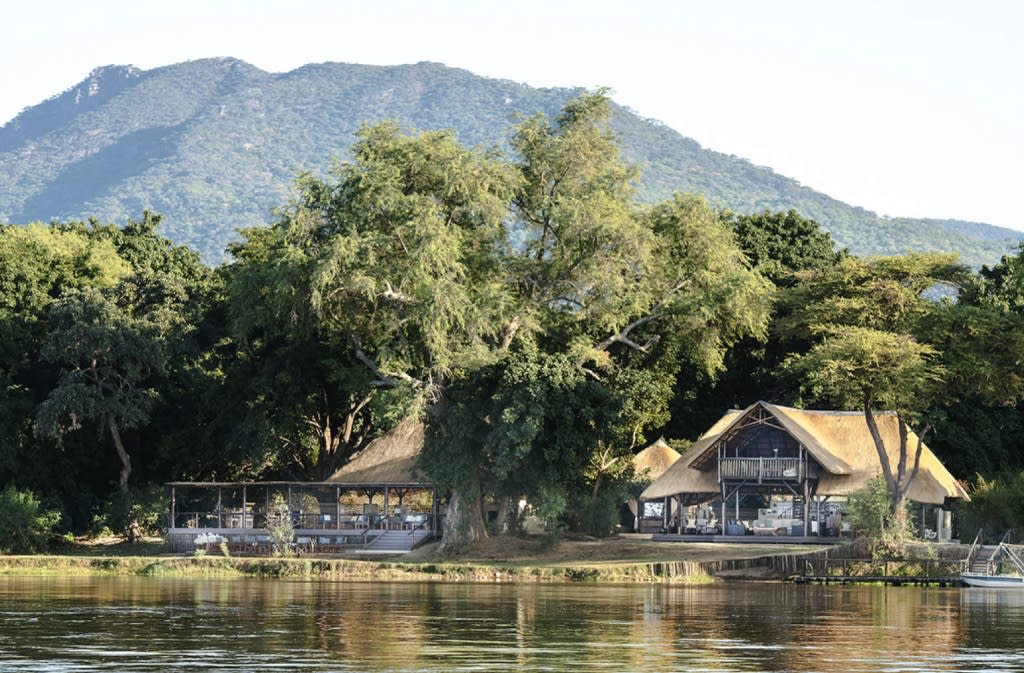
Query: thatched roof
x=838, y=440
x=389, y=459
x=655, y=459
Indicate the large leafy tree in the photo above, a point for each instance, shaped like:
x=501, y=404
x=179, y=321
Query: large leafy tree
x=301, y=382
x=112, y=347
x=864, y=319
x=477, y=289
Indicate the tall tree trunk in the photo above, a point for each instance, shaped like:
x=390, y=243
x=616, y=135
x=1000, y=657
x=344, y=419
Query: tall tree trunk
x=131, y=530
x=126, y=461
x=464, y=522
x=504, y=512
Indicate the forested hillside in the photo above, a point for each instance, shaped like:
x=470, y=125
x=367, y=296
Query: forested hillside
x=215, y=145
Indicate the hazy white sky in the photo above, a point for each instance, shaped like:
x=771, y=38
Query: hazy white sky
x=910, y=108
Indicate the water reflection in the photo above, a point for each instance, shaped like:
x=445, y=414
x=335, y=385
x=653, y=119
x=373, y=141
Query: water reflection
x=137, y=624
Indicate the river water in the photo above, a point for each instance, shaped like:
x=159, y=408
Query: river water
x=150, y=624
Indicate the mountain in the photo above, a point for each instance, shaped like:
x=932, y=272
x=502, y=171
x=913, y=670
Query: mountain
x=215, y=145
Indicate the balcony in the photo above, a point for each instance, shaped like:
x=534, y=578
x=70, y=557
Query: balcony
x=766, y=469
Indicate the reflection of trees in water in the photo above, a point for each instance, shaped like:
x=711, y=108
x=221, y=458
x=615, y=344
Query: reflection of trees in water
x=578, y=628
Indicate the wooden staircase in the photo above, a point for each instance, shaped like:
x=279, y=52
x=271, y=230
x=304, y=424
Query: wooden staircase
x=395, y=542
x=981, y=558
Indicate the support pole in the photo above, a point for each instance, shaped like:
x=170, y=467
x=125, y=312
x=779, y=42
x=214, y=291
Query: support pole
x=807, y=510
x=174, y=507
x=435, y=526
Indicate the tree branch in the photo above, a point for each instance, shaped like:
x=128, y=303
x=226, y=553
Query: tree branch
x=384, y=379
x=623, y=336
x=509, y=333
x=391, y=294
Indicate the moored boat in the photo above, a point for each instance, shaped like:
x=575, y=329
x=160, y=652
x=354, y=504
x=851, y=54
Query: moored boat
x=993, y=581
x=1003, y=554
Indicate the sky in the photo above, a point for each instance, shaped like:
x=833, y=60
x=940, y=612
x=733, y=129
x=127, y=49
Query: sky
x=905, y=107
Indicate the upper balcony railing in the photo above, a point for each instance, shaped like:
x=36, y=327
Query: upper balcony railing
x=767, y=469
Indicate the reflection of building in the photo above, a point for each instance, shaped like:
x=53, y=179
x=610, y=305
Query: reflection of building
x=375, y=503
x=807, y=457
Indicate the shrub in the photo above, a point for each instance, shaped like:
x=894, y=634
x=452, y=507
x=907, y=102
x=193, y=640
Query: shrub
x=146, y=506
x=279, y=526
x=871, y=515
x=26, y=527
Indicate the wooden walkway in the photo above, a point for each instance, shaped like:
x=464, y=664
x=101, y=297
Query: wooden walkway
x=890, y=580
x=922, y=572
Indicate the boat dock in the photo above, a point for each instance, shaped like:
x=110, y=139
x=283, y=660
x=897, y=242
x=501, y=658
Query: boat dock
x=926, y=572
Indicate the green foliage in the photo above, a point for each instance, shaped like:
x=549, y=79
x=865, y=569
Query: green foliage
x=1001, y=286
x=780, y=244
x=871, y=515
x=145, y=505
x=279, y=525
x=26, y=527
x=997, y=505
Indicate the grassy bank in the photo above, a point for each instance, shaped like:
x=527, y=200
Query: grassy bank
x=497, y=560
x=351, y=570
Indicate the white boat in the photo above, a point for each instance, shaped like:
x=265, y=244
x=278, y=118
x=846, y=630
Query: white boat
x=993, y=581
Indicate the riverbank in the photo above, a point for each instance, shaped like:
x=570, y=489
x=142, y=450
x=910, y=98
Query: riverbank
x=505, y=559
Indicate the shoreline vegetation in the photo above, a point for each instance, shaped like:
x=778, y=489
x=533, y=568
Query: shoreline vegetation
x=501, y=559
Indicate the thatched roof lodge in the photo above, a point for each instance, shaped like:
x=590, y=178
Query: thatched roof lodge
x=809, y=455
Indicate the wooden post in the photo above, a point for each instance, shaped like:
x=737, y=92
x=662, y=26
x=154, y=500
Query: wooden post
x=220, y=508
x=174, y=506
x=245, y=518
x=435, y=511
x=337, y=507
x=384, y=520
x=807, y=510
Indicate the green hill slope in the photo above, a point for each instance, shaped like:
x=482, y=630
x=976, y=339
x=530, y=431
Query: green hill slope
x=215, y=145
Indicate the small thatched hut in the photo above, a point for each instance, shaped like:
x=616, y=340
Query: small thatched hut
x=652, y=462
x=807, y=455
x=648, y=465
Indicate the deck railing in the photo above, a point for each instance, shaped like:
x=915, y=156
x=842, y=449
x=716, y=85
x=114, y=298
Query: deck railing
x=767, y=469
x=300, y=521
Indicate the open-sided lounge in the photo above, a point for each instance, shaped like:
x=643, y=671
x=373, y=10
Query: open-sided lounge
x=375, y=503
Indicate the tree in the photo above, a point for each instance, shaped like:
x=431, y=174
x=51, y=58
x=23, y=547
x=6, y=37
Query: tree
x=779, y=244
x=301, y=383
x=443, y=270
x=111, y=347
x=862, y=316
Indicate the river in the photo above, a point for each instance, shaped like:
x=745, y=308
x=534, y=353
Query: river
x=130, y=624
